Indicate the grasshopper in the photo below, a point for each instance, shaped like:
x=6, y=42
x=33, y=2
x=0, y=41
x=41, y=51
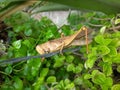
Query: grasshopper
x=64, y=42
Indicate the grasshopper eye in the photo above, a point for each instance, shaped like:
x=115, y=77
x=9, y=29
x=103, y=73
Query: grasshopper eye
x=47, y=50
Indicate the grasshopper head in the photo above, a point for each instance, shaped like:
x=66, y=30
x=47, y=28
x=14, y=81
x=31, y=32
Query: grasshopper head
x=40, y=50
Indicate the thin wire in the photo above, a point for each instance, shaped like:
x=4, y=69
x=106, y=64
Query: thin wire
x=14, y=60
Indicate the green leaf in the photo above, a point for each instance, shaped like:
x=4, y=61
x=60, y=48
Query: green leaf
x=116, y=35
x=118, y=68
x=28, y=32
x=18, y=84
x=21, y=52
x=107, y=58
x=113, y=51
x=7, y=87
x=93, y=53
x=44, y=72
x=69, y=58
x=78, y=68
x=107, y=41
x=87, y=76
x=26, y=69
x=31, y=69
x=66, y=30
x=59, y=61
x=94, y=72
x=61, y=84
x=98, y=77
x=66, y=81
x=118, y=44
x=49, y=34
x=102, y=30
x=115, y=42
x=35, y=67
x=70, y=67
x=38, y=83
x=42, y=87
x=18, y=29
x=62, y=57
x=117, y=21
x=87, y=83
x=78, y=81
x=109, y=81
x=103, y=50
x=17, y=44
x=116, y=87
x=107, y=68
x=48, y=64
x=89, y=63
x=70, y=86
x=100, y=40
x=51, y=79
x=116, y=59
x=27, y=43
x=104, y=87
x=8, y=70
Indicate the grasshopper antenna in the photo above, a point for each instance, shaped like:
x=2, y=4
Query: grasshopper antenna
x=86, y=38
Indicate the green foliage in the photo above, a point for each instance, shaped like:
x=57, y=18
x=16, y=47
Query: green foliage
x=51, y=79
x=8, y=70
x=116, y=87
x=18, y=84
x=95, y=70
x=100, y=79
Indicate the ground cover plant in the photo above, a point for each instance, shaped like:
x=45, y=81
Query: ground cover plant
x=97, y=70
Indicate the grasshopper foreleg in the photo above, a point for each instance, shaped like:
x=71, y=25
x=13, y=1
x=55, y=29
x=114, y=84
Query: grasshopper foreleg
x=62, y=46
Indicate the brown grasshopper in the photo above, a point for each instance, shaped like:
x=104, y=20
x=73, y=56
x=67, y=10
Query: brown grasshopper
x=64, y=42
